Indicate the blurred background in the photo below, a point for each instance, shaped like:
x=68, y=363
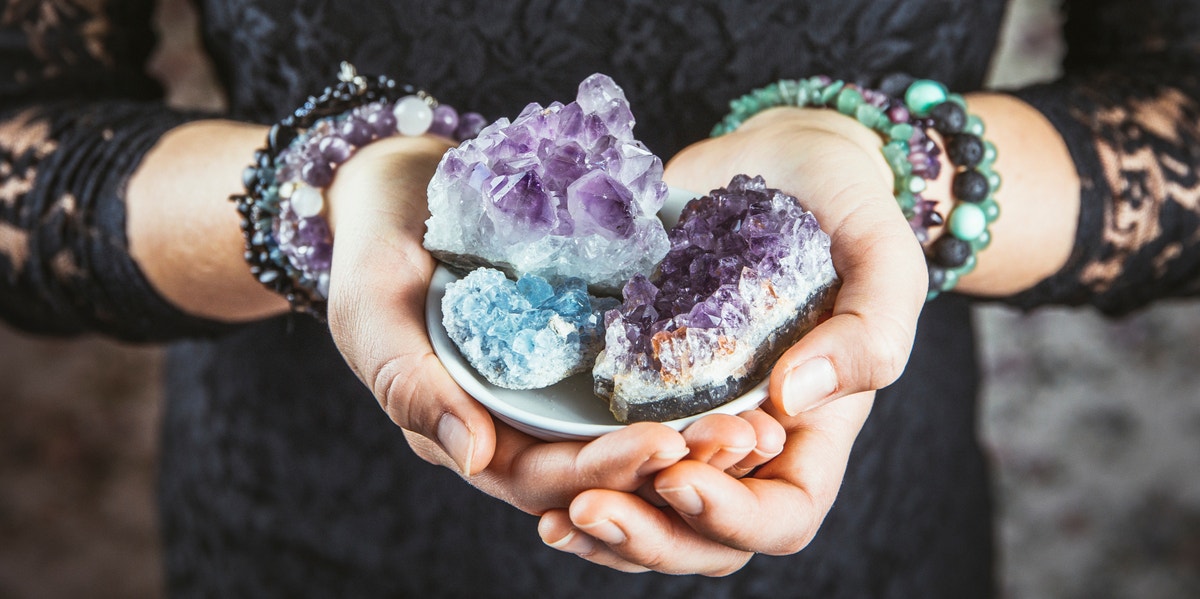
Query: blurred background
x=1093, y=425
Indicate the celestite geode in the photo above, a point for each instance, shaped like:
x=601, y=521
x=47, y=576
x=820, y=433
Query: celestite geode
x=524, y=334
x=561, y=191
x=748, y=272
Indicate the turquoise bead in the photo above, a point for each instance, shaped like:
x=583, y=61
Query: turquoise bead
x=907, y=201
x=974, y=126
x=831, y=91
x=967, y=221
x=848, y=100
x=991, y=209
x=951, y=280
x=916, y=184
x=902, y=132
x=923, y=95
x=958, y=99
x=967, y=266
x=789, y=90
x=868, y=115
x=982, y=242
x=993, y=180
x=989, y=154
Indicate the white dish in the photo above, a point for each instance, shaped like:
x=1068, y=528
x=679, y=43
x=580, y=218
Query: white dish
x=568, y=410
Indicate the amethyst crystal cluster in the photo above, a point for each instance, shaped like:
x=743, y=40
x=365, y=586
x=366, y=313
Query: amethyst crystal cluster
x=749, y=271
x=559, y=191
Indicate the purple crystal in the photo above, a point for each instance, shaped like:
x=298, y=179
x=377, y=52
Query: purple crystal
x=520, y=206
x=599, y=204
x=748, y=271
x=562, y=190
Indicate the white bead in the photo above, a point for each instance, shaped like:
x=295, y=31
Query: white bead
x=307, y=202
x=413, y=116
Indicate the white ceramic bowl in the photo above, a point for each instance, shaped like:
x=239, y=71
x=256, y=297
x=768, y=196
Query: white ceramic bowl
x=568, y=410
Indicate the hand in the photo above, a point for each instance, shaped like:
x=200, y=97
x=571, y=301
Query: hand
x=714, y=522
x=379, y=279
x=717, y=523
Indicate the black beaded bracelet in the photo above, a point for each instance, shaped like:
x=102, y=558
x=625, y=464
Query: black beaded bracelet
x=287, y=241
x=973, y=188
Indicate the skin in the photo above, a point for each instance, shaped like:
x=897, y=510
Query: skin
x=646, y=497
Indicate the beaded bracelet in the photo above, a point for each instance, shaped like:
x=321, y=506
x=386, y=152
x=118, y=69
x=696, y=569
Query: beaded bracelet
x=973, y=188
x=911, y=155
x=288, y=243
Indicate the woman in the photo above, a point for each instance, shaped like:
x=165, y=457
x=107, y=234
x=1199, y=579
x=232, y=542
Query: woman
x=281, y=477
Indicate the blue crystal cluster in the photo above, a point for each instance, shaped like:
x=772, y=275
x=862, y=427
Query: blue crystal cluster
x=525, y=334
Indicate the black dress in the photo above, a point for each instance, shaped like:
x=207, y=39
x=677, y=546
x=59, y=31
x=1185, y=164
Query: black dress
x=281, y=476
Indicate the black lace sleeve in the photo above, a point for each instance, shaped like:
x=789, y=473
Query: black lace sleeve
x=77, y=113
x=1129, y=108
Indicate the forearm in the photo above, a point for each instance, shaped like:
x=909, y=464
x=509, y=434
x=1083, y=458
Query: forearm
x=183, y=231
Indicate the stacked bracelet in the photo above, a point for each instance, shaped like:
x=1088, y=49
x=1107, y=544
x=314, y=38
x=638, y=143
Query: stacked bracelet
x=911, y=155
x=287, y=239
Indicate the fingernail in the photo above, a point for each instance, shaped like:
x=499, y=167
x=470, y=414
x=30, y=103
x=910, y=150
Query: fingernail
x=661, y=460
x=808, y=385
x=606, y=531
x=457, y=440
x=684, y=499
x=574, y=542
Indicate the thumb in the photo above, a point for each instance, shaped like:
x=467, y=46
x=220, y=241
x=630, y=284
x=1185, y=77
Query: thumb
x=866, y=343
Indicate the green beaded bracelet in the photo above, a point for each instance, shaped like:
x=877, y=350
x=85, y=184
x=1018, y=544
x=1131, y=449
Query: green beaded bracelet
x=911, y=156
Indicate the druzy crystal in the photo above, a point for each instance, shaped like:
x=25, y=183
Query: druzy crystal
x=560, y=191
x=525, y=334
x=748, y=272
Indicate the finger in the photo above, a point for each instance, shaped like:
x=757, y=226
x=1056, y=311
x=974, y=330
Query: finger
x=638, y=533
x=866, y=343
x=779, y=510
x=720, y=440
x=536, y=476
x=769, y=435
x=557, y=531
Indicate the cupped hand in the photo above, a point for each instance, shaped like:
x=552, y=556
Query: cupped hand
x=715, y=522
x=379, y=279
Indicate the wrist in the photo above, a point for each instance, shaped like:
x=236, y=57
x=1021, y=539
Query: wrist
x=904, y=126
x=287, y=236
x=811, y=124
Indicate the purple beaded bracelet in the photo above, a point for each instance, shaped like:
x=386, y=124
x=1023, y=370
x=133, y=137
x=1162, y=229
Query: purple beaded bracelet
x=289, y=245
